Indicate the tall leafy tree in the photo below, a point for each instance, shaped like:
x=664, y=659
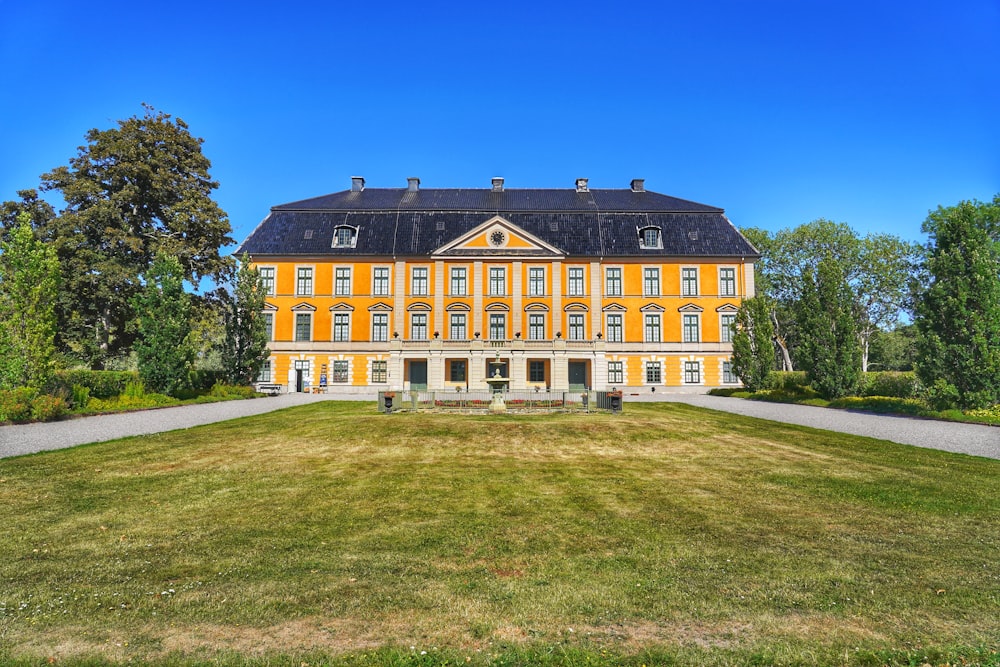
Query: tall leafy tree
x=163, y=346
x=132, y=192
x=39, y=212
x=753, y=343
x=829, y=348
x=245, y=349
x=29, y=283
x=958, y=311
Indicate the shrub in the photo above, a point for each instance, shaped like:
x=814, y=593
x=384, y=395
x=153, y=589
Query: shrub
x=102, y=384
x=81, y=396
x=221, y=390
x=896, y=384
x=881, y=404
x=15, y=404
x=942, y=395
x=788, y=381
x=134, y=390
x=46, y=408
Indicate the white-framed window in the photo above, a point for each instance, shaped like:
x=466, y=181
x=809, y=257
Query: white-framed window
x=536, y=281
x=341, y=327
x=498, y=281
x=726, y=323
x=418, y=281
x=380, y=327
x=613, y=281
x=616, y=372
x=689, y=281
x=459, y=284
x=380, y=281
x=303, y=281
x=341, y=371
x=727, y=282
x=651, y=281
x=654, y=372
x=536, y=326
x=614, y=328
x=380, y=372
x=692, y=372
x=498, y=326
x=269, y=324
x=457, y=329
x=342, y=281
x=418, y=326
x=690, y=333
x=651, y=327
x=303, y=327
x=345, y=237
x=574, y=283
x=728, y=376
x=267, y=279
x=577, y=330
x=265, y=372
x=650, y=237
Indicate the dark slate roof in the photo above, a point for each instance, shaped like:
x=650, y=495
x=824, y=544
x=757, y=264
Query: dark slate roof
x=398, y=222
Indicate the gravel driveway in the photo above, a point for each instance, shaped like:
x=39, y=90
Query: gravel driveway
x=948, y=436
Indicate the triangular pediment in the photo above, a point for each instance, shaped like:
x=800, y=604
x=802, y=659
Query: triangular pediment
x=498, y=237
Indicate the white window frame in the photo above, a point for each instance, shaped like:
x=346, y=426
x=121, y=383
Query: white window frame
x=342, y=284
x=692, y=372
x=536, y=281
x=305, y=277
x=726, y=331
x=728, y=376
x=498, y=280
x=614, y=333
x=576, y=324
x=338, y=242
x=420, y=281
x=380, y=325
x=653, y=372
x=418, y=326
x=652, y=327
x=616, y=372
x=341, y=327
x=652, y=281
x=576, y=281
x=644, y=240
x=268, y=282
x=608, y=291
x=380, y=371
x=298, y=315
x=462, y=328
x=343, y=375
x=381, y=284
x=689, y=281
x=536, y=326
x=269, y=323
x=727, y=281
x=458, y=277
x=492, y=328
x=690, y=328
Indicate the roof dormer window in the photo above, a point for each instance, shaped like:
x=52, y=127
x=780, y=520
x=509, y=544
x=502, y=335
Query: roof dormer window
x=650, y=237
x=345, y=237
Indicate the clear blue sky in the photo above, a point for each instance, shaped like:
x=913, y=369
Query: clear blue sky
x=781, y=112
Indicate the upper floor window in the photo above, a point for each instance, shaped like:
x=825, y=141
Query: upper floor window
x=536, y=281
x=304, y=281
x=458, y=282
x=380, y=327
x=689, y=282
x=498, y=281
x=614, y=328
x=536, y=326
x=613, y=281
x=267, y=279
x=458, y=331
x=341, y=327
x=652, y=328
x=577, y=330
x=269, y=325
x=380, y=281
x=649, y=237
x=345, y=237
x=418, y=326
x=303, y=327
x=690, y=329
x=575, y=282
x=727, y=282
x=418, y=281
x=342, y=281
x=727, y=322
x=651, y=282
x=498, y=326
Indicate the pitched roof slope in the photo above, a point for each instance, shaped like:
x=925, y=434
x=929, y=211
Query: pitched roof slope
x=402, y=222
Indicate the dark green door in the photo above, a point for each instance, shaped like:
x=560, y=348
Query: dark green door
x=577, y=375
x=418, y=375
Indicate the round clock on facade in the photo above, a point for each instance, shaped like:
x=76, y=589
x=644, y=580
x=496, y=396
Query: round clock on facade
x=497, y=238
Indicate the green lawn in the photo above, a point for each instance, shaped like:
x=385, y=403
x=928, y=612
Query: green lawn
x=668, y=534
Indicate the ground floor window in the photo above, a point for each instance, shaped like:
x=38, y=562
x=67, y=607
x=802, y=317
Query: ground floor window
x=536, y=371
x=456, y=370
x=654, y=372
x=380, y=371
x=340, y=371
x=265, y=372
x=692, y=372
x=616, y=372
x=728, y=376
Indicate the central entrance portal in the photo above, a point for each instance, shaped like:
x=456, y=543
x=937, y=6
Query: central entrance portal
x=418, y=375
x=578, y=376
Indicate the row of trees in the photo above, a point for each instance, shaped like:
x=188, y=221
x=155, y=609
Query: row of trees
x=825, y=295
x=105, y=278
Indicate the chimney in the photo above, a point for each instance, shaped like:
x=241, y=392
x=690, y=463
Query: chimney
x=638, y=185
x=497, y=183
x=581, y=185
x=357, y=183
x=412, y=184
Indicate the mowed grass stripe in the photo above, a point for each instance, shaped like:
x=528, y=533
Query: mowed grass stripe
x=335, y=528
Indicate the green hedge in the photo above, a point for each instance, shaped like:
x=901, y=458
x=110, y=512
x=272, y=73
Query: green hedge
x=102, y=384
x=897, y=384
x=23, y=405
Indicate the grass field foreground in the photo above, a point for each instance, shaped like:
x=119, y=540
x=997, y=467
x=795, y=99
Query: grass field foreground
x=666, y=534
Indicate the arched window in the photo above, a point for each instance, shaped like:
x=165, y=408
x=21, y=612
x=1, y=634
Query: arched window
x=649, y=237
x=345, y=236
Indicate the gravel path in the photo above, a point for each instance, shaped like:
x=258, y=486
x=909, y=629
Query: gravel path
x=948, y=436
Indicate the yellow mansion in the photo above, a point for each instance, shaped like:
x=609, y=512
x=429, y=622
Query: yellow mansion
x=561, y=289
